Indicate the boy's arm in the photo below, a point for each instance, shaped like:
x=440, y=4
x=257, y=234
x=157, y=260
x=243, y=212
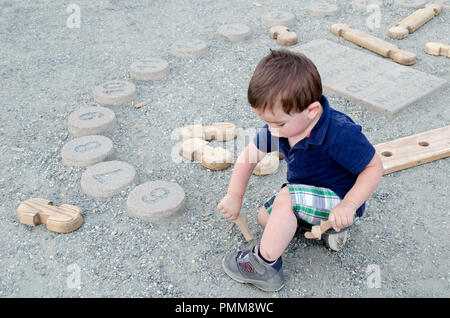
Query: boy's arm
x=366, y=183
x=230, y=206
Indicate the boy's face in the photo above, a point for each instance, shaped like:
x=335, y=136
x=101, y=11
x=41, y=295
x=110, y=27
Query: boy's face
x=286, y=125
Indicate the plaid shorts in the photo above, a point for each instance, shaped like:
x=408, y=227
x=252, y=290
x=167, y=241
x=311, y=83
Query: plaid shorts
x=309, y=203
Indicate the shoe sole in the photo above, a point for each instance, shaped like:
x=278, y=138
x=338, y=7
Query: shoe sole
x=231, y=274
x=336, y=245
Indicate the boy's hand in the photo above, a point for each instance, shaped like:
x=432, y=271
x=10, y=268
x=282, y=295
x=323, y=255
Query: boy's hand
x=230, y=206
x=342, y=215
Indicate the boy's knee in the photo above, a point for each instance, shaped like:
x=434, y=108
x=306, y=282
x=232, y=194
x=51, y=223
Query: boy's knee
x=283, y=199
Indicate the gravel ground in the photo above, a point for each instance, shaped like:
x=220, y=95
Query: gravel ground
x=48, y=70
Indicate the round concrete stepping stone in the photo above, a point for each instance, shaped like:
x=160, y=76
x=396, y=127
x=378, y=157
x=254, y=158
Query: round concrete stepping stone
x=151, y=68
x=187, y=48
x=322, y=9
x=156, y=201
x=361, y=5
x=271, y=19
x=234, y=32
x=410, y=3
x=87, y=150
x=115, y=93
x=444, y=3
x=91, y=121
x=107, y=178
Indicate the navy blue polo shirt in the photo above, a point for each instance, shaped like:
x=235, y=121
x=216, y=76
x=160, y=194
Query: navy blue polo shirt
x=333, y=155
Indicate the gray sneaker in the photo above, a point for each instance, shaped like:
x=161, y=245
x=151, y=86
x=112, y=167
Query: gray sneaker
x=248, y=267
x=335, y=240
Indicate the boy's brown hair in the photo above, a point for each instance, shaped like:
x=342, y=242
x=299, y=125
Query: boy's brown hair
x=286, y=76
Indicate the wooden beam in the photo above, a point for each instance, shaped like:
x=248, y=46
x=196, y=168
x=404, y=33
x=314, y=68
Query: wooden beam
x=414, y=150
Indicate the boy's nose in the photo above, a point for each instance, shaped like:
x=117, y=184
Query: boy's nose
x=274, y=131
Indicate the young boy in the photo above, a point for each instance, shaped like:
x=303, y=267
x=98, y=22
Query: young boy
x=332, y=167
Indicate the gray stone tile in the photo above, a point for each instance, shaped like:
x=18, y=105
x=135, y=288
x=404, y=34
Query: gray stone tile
x=366, y=79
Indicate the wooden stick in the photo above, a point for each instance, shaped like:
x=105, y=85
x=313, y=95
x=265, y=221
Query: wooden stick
x=242, y=225
x=374, y=44
x=411, y=23
x=142, y=104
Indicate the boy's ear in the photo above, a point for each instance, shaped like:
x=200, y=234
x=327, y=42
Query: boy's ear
x=313, y=109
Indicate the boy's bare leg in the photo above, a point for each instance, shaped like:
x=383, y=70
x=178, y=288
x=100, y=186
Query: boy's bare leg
x=280, y=228
x=263, y=216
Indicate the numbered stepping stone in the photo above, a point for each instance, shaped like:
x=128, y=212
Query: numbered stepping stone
x=361, y=5
x=410, y=3
x=156, y=201
x=149, y=69
x=271, y=19
x=107, y=178
x=322, y=9
x=115, y=93
x=444, y=3
x=234, y=32
x=188, y=48
x=91, y=121
x=87, y=150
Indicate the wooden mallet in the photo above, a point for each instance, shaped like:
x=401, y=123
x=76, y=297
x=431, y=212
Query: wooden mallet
x=318, y=230
x=242, y=225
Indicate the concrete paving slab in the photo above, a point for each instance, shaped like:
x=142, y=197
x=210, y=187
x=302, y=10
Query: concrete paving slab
x=366, y=79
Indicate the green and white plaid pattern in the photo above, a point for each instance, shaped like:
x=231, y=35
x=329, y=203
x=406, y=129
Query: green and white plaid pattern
x=310, y=203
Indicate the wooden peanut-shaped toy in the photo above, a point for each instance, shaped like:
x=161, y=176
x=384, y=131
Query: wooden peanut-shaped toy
x=283, y=35
x=217, y=131
x=61, y=219
x=268, y=165
x=211, y=158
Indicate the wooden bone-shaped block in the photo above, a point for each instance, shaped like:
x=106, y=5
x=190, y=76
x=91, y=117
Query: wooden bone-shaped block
x=436, y=48
x=283, y=35
x=411, y=23
x=61, y=219
x=211, y=158
x=217, y=131
x=374, y=44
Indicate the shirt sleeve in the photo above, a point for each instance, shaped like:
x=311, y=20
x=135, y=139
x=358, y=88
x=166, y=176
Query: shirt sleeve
x=264, y=140
x=351, y=149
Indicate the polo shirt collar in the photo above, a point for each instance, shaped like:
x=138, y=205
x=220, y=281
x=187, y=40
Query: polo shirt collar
x=319, y=130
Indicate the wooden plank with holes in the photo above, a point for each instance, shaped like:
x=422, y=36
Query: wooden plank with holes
x=414, y=150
